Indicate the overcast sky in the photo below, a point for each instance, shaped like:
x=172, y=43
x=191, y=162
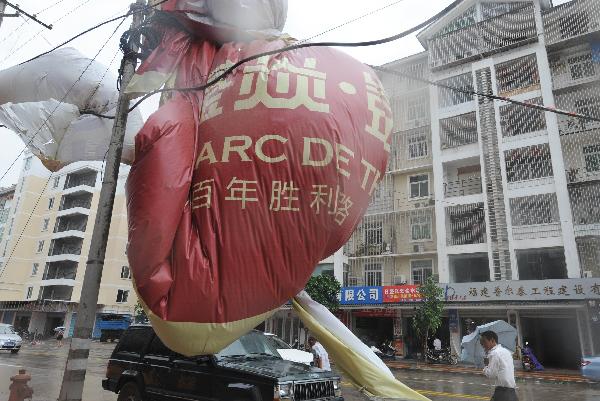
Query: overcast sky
x=20, y=40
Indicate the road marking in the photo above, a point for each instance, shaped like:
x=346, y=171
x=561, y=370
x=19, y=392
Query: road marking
x=11, y=366
x=453, y=395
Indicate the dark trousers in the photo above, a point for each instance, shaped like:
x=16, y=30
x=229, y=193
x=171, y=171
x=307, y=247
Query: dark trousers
x=504, y=394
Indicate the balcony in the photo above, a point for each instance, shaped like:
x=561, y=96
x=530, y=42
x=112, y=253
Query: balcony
x=76, y=201
x=585, y=206
x=60, y=271
x=527, y=164
x=76, y=222
x=570, y=21
x=56, y=293
x=68, y=246
x=80, y=181
x=505, y=31
x=465, y=225
x=518, y=122
x=410, y=149
x=458, y=131
x=541, y=264
x=462, y=178
x=469, y=268
x=535, y=217
x=573, y=69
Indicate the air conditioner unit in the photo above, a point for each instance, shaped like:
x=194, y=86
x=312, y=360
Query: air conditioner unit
x=587, y=274
x=400, y=280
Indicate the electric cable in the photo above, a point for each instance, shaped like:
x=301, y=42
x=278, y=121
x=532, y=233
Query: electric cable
x=26, y=21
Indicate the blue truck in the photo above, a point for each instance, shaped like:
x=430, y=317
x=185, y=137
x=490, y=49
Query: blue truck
x=109, y=327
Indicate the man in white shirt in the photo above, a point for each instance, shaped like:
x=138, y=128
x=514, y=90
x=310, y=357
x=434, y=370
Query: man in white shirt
x=437, y=344
x=499, y=367
x=321, y=357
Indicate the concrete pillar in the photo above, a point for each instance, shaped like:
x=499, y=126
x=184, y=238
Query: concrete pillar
x=37, y=322
x=398, y=333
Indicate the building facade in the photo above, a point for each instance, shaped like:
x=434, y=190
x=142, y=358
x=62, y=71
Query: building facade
x=513, y=190
x=47, y=233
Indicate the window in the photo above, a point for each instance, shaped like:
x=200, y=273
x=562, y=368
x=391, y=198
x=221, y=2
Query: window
x=591, y=153
x=417, y=145
x=34, y=269
x=420, y=227
x=518, y=120
x=588, y=106
x=573, y=24
x=45, y=224
x=419, y=186
x=125, y=272
x=50, y=203
x=122, y=296
x=373, y=274
x=416, y=111
x=458, y=130
x=451, y=97
x=528, y=163
x=535, y=209
x=29, y=292
x=40, y=246
x=581, y=66
x=518, y=75
x=374, y=233
x=157, y=348
x=421, y=270
x=55, y=182
x=27, y=163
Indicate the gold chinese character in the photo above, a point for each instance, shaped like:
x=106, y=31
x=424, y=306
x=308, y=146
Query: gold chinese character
x=381, y=120
x=202, y=194
x=318, y=196
x=286, y=191
x=239, y=191
x=212, y=95
x=257, y=76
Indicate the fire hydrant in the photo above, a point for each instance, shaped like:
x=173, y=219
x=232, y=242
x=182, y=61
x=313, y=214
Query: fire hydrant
x=19, y=390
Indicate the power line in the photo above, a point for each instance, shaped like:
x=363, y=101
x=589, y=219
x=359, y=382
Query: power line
x=26, y=20
x=33, y=17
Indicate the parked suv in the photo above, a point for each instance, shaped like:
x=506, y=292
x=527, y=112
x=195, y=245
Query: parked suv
x=142, y=368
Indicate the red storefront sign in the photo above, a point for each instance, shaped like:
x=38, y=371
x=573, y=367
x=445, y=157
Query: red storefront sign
x=401, y=293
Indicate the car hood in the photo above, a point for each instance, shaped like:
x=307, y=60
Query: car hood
x=9, y=337
x=296, y=355
x=275, y=368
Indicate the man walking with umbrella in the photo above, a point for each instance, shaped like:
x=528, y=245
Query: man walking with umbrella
x=499, y=367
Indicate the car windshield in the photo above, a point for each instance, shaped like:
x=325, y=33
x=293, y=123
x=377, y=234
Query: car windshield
x=252, y=344
x=277, y=342
x=6, y=330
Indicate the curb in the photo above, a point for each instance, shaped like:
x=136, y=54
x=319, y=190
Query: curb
x=520, y=375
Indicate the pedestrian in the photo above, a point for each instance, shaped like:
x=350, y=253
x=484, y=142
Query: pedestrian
x=320, y=356
x=59, y=337
x=499, y=367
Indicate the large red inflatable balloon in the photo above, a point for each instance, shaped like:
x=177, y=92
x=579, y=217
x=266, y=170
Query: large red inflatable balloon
x=237, y=192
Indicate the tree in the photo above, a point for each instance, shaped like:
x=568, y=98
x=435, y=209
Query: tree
x=139, y=314
x=429, y=312
x=325, y=290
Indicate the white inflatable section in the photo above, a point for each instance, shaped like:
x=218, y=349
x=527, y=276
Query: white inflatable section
x=42, y=102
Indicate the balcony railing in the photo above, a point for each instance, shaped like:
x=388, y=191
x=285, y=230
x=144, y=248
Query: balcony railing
x=536, y=231
x=571, y=20
x=65, y=250
x=465, y=224
x=82, y=203
x=458, y=131
x=56, y=293
x=512, y=29
x=463, y=187
x=60, y=274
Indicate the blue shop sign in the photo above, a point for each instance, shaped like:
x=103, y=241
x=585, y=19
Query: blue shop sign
x=361, y=295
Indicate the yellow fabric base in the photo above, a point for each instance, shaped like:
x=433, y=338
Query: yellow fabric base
x=191, y=338
x=362, y=373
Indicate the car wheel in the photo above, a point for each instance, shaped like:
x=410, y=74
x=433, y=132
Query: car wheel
x=130, y=392
x=14, y=351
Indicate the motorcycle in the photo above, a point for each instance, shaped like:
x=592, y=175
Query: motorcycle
x=528, y=359
x=444, y=355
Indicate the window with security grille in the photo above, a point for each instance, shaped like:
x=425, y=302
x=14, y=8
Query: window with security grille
x=589, y=106
x=122, y=296
x=417, y=111
x=417, y=145
x=29, y=292
x=449, y=96
x=528, y=163
x=458, y=130
x=421, y=270
x=50, y=203
x=374, y=233
x=591, y=154
x=581, y=66
x=535, y=209
x=462, y=21
x=34, y=269
x=373, y=274
x=466, y=224
x=40, y=246
x=518, y=75
x=419, y=185
x=518, y=120
x=55, y=182
x=420, y=227
x=573, y=24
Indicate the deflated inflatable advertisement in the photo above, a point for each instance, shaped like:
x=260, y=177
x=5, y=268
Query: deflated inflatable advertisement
x=237, y=192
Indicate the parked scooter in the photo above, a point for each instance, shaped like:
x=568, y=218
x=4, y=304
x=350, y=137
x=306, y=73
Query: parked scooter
x=444, y=355
x=528, y=359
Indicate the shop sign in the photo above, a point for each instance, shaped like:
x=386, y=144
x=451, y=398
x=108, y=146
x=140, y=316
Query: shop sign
x=523, y=290
x=375, y=313
x=401, y=293
x=361, y=295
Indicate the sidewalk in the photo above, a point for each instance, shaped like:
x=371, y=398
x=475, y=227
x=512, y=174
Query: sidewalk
x=550, y=375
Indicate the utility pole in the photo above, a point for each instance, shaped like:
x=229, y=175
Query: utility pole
x=19, y=11
x=75, y=370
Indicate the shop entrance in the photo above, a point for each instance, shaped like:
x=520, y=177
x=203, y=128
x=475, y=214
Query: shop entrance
x=374, y=330
x=554, y=340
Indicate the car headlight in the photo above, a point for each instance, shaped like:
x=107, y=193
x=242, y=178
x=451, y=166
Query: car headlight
x=283, y=391
x=337, y=388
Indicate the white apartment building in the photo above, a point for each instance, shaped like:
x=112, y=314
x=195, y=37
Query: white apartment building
x=47, y=228
x=515, y=190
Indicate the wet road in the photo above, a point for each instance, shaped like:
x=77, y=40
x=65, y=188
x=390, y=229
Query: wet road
x=46, y=363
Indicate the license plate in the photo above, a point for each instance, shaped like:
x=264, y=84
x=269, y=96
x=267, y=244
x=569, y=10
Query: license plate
x=8, y=344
